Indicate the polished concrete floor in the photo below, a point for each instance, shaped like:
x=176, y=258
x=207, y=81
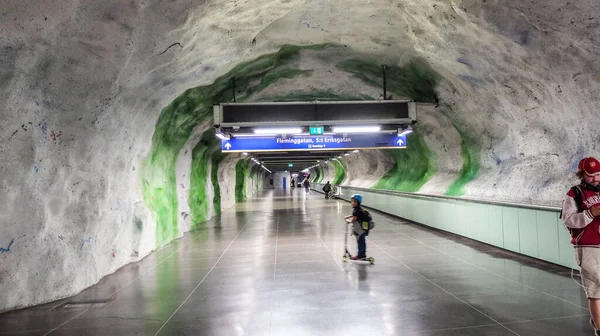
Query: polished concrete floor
x=272, y=266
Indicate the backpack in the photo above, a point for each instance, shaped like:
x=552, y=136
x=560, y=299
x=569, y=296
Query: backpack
x=369, y=220
x=575, y=233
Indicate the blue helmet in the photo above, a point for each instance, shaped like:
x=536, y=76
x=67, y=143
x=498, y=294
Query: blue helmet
x=357, y=197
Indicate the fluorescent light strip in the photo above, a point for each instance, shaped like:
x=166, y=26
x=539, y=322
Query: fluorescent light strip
x=249, y=135
x=289, y=130
x=357, y=129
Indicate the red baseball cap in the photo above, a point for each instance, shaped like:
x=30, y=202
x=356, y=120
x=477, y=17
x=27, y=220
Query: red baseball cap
x=590, y=166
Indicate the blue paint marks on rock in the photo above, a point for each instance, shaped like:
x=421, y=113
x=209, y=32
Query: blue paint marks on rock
x=44, y=127
x=36, y=168
x=546, y=184
x=497, y=159
x=474, y=81
x=465, y=62
x=89, y=241
x=8, y=248
x=525, y=38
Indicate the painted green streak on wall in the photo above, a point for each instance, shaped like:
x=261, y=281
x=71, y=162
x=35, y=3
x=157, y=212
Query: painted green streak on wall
x=217, y=158
x=340, y=172
x=199, y=177
x=321, y=174
x=415, y=79
x=256, y=177
x=317, y=173
x=470, y=168
x=241, y=174
x=178, y=119
x=413, y=166
x=159, y=193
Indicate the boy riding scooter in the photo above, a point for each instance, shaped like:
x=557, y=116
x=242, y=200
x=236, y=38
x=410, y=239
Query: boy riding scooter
x=360, y=221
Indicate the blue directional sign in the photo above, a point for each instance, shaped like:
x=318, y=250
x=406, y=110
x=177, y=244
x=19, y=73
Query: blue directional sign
x=314, y=143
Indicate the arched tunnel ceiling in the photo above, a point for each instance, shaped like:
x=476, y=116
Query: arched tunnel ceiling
x=106, y=107
x=510, y=72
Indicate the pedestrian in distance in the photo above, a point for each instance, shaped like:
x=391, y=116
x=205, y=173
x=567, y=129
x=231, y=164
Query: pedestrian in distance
x=306, y=185
x=327, y=189
x=581, y=215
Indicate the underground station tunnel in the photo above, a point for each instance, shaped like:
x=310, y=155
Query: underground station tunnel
x=299, y=168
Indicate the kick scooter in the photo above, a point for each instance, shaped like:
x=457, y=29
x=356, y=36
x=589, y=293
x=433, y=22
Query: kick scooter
x=347, y=256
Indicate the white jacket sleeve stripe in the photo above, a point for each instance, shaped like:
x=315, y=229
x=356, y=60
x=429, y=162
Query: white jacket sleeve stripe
x=572, y=218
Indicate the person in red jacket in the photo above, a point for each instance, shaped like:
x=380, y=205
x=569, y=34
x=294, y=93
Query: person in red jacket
x=581, y=215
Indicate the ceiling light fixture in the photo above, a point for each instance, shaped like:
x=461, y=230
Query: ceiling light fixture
x=289, y=130
x=249, y=135
x=357, y=129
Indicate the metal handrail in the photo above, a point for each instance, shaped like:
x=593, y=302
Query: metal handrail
x=453, y=198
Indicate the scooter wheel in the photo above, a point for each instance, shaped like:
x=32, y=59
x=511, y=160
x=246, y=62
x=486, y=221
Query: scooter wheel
x=371, y=260
x=344, y=258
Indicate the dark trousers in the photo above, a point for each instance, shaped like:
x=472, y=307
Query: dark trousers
x=362, y=245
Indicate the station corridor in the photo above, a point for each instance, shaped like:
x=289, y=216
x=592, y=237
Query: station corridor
x=273, y=266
